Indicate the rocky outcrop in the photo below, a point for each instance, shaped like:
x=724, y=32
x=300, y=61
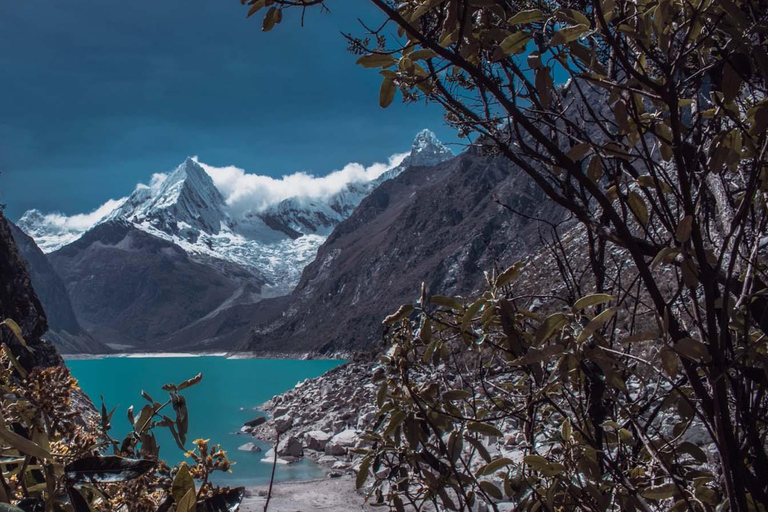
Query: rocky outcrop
x=19, y=302
x=441, y=225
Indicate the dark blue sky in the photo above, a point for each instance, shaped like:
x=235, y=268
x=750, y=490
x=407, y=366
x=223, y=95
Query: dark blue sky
x=96, y=95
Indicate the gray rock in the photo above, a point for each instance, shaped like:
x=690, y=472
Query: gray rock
x=290, y=447
x=316, y=440
x=249, y=447
x=340, y=465
x=256, y=422
x=283, y=423
x=335, y=474
x=279, y=411
x=334, y=448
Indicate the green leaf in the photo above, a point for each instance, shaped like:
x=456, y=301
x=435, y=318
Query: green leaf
x=692, y=349
x=182, y=415
x=387, y=92
x=190, y=382
x=550, y=325
x=596, y=323
x=273, y=17
x=591, y=300
x=494, y=466
x=508, y=275
x=403, y=312
x=684, y=227
x=456, y=394
x=638, y=207
x=446, y=302
x=256, y=7
x=484, y=428
x=362, y=473
x=660, y=492
x=525, y=17
x=565, y=429
x=422, y=55
x=188, y=503
x=182, y=483
x=669, y=362
x=514, y=43
x=578, y=151
x=536, y=461
x=568, y=34
x=375, y=60
x=491, y=489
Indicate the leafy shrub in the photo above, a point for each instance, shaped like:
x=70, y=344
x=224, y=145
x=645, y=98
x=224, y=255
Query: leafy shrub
x=53, y=446
x=587, y=423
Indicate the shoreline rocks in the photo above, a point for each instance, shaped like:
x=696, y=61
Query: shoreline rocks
x=320, y=419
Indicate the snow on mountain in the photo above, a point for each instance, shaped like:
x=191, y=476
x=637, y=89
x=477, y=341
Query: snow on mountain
x=205, y=211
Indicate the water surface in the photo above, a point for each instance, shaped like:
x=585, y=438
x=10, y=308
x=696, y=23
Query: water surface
x=218, y=406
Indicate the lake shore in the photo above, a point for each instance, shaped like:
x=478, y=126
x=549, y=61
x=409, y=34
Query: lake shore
x=336, y=494
x=229, y=355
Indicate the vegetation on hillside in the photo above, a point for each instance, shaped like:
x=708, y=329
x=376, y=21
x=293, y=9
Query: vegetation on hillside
x=645, y=120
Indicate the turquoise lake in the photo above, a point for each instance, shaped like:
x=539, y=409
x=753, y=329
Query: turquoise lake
x=230, y=391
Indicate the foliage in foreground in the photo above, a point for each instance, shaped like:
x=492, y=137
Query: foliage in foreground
x=52, y=450
x=591, y=421
x=647, y=122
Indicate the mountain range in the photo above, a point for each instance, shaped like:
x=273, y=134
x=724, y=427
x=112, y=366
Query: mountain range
x=174, y=258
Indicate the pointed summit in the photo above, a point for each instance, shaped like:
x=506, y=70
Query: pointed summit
x=185, y=202
x=427, y=150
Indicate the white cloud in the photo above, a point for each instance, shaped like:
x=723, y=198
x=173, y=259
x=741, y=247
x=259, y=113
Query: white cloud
x=82, y=221
x=253, y=192
x=242, y=191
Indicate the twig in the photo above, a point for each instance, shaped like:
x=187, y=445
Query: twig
x=272, y=478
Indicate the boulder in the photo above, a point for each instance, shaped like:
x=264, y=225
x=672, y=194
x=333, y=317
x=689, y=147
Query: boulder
x=283, y=423
x=269, y=458
x=256, y=422
x=316, y=440
x=249, y=447
x=341, y=442
x=279, y=411
x=290, y=447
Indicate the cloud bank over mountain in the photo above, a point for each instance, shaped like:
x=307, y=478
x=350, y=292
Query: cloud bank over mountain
x=242, y=191
x=245, y=192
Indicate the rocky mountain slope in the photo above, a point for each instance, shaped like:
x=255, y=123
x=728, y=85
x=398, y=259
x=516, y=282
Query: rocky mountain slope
x=19, y=302
x=64, y=330
x=132, y=289
x=440, y=225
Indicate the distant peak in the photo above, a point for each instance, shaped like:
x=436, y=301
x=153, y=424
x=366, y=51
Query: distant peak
x=31, y=215
x=427, y=150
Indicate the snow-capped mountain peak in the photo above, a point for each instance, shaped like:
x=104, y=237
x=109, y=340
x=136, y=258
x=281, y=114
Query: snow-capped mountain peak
x=186, y=202
x=427, y=150
x=185, y=207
